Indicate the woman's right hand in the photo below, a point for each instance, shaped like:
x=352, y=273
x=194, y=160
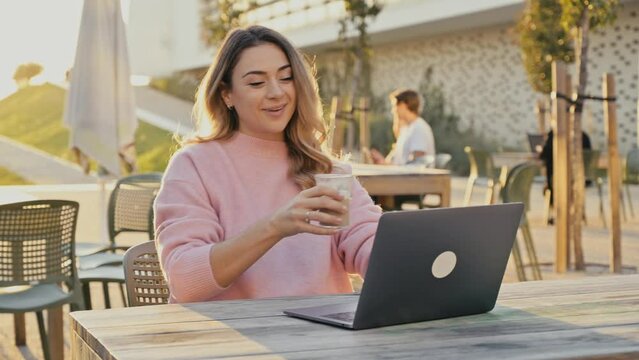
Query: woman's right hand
x=310, y=205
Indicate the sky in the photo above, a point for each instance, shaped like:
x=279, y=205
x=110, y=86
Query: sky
x=42, y=31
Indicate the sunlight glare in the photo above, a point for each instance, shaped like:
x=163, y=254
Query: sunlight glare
x=41, y=31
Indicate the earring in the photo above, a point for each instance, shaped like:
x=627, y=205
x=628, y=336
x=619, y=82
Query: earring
x=230, y=107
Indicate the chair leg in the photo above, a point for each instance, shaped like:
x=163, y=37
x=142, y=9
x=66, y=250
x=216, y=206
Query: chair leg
x=496, y=188
x=43, y=335
x=623, y=206
x=86, y=294
x=123, y=296
x=530, y=248
x=19, y=329
x=547, y=206
x=632, y=211
x=107, y=298
x=519, y=266
x=601, y=205
x=469, y=189
x=490, y=192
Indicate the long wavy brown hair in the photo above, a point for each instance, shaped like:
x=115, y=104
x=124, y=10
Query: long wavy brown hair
x=305, y=132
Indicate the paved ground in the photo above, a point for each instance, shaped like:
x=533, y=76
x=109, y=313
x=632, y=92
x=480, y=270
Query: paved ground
x=596, y=245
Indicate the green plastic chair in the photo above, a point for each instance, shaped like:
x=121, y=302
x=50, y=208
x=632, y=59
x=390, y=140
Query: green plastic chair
x=481, y=166
x=130, y=211
x=37, y=255
x=631, y=175
x=442, y=160
x=517, y=189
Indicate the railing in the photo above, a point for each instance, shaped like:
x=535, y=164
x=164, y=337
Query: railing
x=291, y=14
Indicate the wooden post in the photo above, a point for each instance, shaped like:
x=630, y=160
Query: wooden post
x=577, y=190
x=55, y=330
x=19, y=329
x=347, y=125
x=364, y=131
x=561, y=175
x=614, y=171
x=332, y=122
x=540, y=110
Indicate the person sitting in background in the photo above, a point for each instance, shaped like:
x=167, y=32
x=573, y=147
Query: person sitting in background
x=415, y=141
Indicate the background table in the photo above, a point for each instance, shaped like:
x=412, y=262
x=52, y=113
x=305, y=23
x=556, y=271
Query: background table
x=585, y=318
x=390, y=180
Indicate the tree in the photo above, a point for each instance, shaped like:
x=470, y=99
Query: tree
x=357, y=50
x=578, y=18
x=558, y=30
x=218, y=17
x=543, y=40
x=25, y=72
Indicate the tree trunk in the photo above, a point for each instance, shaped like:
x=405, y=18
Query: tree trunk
x=577, y=208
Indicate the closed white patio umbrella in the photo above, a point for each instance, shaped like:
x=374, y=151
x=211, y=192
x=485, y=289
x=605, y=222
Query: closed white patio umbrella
x=100, y=108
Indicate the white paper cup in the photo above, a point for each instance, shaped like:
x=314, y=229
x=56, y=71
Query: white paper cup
x=342, y=183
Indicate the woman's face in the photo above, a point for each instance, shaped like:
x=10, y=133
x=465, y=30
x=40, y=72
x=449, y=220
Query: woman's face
x=262, y=92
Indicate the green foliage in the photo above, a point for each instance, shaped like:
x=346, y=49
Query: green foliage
x=441, y=117
x=547, y=29
x=25, y=72
x=180, y=84
x=357, y=51
x=33, y=116
x=218, y=17
x=543, y=40
x=9, y=178
x=381, y=124
x=600, y=13
x=155, y=147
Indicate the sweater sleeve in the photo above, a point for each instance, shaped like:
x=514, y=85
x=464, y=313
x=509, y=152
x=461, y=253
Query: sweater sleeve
x=187, y=227
x=354, y=244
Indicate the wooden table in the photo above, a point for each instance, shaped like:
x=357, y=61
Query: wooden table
x=510, y=159
x=592, y=318
x=390, y=180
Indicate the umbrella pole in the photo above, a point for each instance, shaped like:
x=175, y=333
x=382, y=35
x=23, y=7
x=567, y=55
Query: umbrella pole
x=103, y=175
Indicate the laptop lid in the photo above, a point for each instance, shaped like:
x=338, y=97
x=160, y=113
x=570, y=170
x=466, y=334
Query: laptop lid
x=429, y=264
x=437, y=263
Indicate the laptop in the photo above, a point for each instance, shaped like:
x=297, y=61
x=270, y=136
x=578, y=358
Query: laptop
x=536, y=142
x=429, y=264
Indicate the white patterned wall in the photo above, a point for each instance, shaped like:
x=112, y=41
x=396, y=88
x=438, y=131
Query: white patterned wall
x=484, y=79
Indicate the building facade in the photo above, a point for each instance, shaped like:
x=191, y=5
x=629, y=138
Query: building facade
x=471, y=47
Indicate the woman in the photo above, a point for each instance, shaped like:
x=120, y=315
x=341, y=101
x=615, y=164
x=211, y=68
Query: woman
x=237, y=213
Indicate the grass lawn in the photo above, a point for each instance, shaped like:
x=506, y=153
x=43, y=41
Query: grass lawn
x=33, y=116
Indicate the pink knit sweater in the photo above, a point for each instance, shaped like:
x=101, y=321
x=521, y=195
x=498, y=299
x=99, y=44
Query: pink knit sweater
x=213, y=191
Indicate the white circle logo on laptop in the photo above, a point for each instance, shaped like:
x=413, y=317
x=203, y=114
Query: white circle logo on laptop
x=444, y=264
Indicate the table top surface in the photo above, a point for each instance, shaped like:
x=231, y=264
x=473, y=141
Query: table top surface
x=373, y=170
x=591, y=317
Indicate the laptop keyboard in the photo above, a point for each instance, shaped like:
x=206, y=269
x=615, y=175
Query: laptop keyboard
x=343, y=316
